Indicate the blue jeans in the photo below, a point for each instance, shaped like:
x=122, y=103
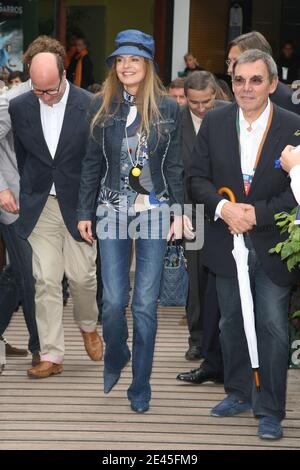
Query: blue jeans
x=17, y=284
x=115, y=268
x=271, y=304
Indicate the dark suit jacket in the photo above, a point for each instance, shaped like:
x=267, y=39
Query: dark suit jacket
x=216, y=163
x=189, y=134
x=38, y=170
x=283, y=97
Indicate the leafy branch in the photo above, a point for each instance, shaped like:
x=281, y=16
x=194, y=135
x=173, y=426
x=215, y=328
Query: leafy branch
x=289, y=249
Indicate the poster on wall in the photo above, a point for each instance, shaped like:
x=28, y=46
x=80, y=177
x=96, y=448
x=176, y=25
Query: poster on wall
x=11, y=38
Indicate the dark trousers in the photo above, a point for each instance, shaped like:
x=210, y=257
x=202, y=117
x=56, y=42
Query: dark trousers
x=211, y=346
x=2, y=253
x=99, y=286
x=195, y=303
x=271, y=315
x=17, y=284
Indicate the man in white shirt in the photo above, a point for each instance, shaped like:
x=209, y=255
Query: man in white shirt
x=200, y=89
x=290, y=162
x=237, y=147
x=51, y=131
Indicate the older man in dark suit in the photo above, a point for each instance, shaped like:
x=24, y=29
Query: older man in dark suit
x=237, y=147
x=51, y=130
x=212, y=367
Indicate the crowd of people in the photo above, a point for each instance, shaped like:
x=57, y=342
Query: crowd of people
x=83, y=175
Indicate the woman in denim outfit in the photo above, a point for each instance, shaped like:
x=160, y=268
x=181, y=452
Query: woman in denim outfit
x=134, y=170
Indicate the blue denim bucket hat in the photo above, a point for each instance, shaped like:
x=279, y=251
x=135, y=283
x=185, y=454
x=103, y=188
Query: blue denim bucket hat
x=132, y=42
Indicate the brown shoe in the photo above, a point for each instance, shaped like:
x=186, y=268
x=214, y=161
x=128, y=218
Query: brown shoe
x=36, y=359
x=44, y=369
x=93, y=345
x=12, y=351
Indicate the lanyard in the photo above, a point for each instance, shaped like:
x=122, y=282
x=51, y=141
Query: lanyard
x=248, y=178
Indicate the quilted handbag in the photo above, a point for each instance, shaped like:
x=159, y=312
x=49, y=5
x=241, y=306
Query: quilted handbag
x=175, y=281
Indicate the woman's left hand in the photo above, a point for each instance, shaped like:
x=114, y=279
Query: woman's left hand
x=188, y=230
x=181, y=226
x=289, y=159
x=85, y=229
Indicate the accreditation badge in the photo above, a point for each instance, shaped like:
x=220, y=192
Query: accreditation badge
x=247, y=182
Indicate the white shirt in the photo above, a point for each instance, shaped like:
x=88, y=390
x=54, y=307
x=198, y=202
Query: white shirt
x=250, y=139
x=196, y=122
x=295, y=182
x=52, y=120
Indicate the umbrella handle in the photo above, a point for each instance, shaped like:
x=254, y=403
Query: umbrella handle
x=257, y=379
x=228, y=192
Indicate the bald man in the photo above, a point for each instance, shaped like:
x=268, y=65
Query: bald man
x=50, y=131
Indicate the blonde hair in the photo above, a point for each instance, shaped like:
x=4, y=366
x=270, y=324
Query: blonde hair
x=146, y=99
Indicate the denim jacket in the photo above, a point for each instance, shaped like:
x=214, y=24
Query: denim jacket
x=101, y=164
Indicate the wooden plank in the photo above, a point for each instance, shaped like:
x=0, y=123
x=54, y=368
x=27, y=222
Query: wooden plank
x=145, y=438
x=27, y=419
x=58, y=445
x=136, y=428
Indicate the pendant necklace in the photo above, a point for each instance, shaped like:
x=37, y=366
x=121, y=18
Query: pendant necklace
x=136, y=167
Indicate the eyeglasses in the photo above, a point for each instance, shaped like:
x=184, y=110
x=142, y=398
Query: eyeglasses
x=256, y=80
x=51, y=92
x=229, y=61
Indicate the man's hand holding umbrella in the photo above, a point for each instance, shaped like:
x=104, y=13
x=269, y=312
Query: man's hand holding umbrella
x=239, y=217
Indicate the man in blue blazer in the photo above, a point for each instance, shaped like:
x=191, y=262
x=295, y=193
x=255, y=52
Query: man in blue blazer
x=50, y=134
x=237, y=147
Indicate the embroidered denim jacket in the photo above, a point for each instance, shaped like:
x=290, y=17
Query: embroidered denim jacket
x=101, y=164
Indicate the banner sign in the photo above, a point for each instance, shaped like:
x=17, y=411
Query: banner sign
x=11, y=38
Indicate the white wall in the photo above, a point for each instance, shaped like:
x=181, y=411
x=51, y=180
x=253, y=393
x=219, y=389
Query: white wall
x=180, y=35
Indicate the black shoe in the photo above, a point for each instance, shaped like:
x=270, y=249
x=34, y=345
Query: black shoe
x=199, y=376
x=12, y=351
x=194, y=353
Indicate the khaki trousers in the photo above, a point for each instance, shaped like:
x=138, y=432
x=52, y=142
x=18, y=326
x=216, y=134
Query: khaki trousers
x=55, y=252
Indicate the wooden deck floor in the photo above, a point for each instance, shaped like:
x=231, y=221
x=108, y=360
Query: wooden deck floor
x=71, y=412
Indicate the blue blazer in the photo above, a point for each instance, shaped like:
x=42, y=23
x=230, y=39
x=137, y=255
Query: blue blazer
x=38, y=170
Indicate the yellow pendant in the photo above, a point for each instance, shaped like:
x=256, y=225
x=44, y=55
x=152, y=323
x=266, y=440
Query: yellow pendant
x=136, y=172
